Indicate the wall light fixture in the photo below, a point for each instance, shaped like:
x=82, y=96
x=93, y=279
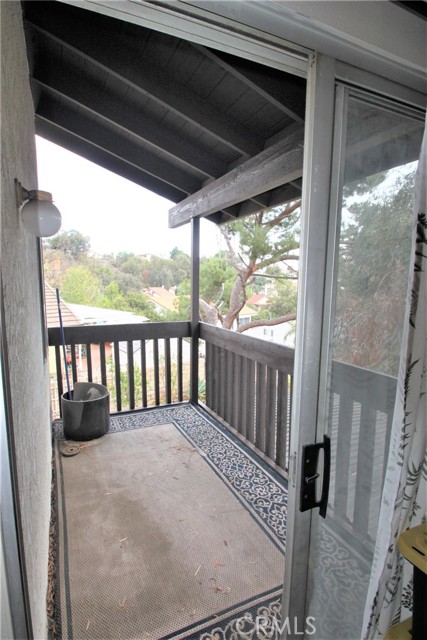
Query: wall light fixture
x=38, y=213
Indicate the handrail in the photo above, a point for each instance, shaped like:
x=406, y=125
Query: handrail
x=119, y=332
x=263, y=351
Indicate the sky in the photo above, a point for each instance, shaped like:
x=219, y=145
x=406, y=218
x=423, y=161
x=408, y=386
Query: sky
x=116, y=214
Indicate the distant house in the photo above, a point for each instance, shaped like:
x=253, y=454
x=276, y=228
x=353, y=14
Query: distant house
x=69, y=319
x=162, y=299
x=98, y=315
x=258, y=300
x=247, y=314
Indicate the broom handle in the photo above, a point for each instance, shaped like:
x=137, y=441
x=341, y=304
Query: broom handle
x=63, y=344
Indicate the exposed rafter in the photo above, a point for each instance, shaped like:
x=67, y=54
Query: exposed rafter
x=107, y=52
x=110, y=141
x=272, y=168
x=111, y=109
x=175, y=118
x=257, y=78
x=74, y=143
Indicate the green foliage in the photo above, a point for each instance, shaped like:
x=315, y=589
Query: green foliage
x=373, y=271
x=284, y=301
x=115, y=282
x=216, y=278
x=267, y=237
x=71, y=242
x=226, y=279
x=80, y=286
x=124, y=382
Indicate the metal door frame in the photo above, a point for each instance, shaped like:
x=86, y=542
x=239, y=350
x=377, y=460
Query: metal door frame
x=315, y=292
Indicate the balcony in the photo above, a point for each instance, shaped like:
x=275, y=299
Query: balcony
x=176, y=521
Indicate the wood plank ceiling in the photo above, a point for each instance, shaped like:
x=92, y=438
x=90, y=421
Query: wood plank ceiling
x=167, y=114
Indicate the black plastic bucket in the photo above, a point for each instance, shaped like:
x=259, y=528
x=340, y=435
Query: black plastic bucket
x=87, y=414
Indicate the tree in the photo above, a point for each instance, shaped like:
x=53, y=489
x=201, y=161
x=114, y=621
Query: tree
x=81, y=286
x=72, y=243
x=254, y=245
x=373, y=270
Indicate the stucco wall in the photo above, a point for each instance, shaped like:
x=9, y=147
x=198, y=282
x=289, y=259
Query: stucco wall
x=23, y=322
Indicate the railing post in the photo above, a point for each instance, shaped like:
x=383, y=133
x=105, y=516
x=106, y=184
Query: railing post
x=194, y=317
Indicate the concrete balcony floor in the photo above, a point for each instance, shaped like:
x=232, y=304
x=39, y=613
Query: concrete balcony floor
x=166, y=527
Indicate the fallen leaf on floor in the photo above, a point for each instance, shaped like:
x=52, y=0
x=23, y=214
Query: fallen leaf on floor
x=218, y=564
x=217, y=588
x=198, y=569
x=122, y=603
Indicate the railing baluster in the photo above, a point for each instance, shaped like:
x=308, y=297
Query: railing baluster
x=216, y=379
x=117, y=376
x=365, y=464
x=156, y=371
x=59, y=376
x=103, y=363
x=270, y=410
x=144, y=373
x=229, y=386
x=179, y=369
x=250, y=400
x=131, y=375
x=237, y=393
x=168, y=371
x=281, y=457
x=89, y=362
x=221, y=382
x=73, y=362
x=288, y=434
x=260, y=423
x=342, y=462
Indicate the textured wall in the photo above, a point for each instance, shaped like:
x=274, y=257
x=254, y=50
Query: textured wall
x=23, y=322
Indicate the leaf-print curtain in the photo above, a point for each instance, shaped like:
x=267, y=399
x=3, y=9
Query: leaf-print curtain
x=404, y=496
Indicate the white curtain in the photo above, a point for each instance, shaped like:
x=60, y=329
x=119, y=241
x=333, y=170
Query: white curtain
x=404, y=499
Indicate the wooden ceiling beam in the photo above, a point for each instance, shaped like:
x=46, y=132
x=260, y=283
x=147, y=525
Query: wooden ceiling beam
x=112, y=109
x=110, y=52
x=272, y=168
x=52, y=132
x=256, y=78
x=111, y=142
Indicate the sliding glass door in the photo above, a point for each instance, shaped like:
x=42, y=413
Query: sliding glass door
x=361, y=269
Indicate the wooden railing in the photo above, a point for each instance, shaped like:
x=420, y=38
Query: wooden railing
x=142, y=364
x=361, y=410
x=249, y=386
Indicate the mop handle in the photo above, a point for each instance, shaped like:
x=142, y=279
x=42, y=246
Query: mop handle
x=63, y=343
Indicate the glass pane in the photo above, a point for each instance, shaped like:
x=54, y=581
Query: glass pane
x=381, y=147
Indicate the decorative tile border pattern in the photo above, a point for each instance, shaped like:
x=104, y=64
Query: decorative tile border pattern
x=257, y=619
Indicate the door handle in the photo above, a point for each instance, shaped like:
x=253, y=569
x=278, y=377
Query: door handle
x=309, y=476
